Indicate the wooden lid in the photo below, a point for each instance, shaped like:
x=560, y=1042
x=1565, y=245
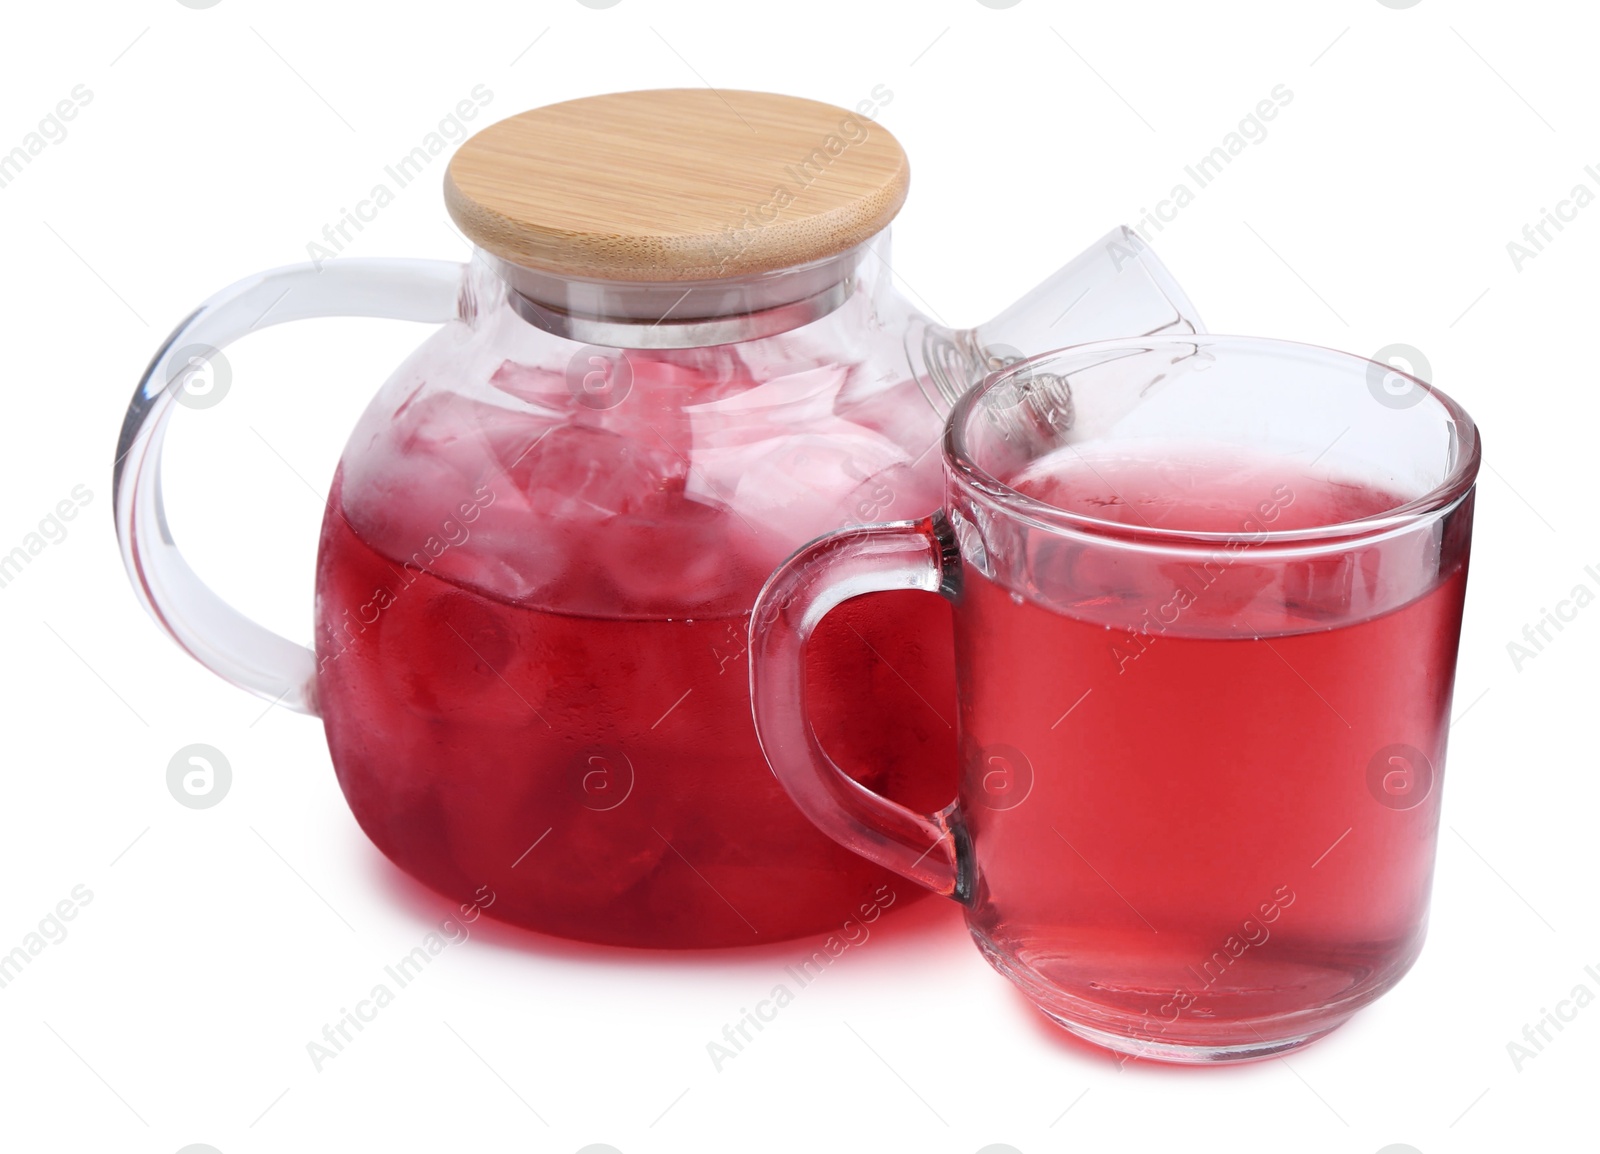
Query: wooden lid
x=676, y=184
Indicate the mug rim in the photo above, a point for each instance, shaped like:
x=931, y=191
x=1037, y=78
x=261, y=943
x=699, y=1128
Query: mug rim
x=1449, y=492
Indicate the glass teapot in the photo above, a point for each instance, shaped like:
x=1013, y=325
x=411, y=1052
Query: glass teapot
x=675, y=356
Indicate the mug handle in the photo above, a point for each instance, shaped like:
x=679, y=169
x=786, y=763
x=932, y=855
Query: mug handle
x=212, y=631
x=932, y=849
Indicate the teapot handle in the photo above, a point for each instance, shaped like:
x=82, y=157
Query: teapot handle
x=212, y=631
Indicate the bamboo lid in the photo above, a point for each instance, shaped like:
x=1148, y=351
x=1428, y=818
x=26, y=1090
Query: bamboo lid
x=676, y=184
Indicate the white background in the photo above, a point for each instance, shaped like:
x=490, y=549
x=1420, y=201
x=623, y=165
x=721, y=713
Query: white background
x=218, y=942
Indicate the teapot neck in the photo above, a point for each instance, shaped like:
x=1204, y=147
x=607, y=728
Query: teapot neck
x=681, y=314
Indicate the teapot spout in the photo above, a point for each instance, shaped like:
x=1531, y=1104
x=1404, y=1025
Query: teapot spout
x=1114, y=288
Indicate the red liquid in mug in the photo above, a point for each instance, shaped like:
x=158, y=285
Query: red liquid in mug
x=581, y=749
x=1228, y=814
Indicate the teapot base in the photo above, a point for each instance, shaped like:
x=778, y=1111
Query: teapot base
x=601, y=777
x=627, y=929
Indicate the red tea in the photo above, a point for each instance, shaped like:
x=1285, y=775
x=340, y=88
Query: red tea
x=1204, y=791
x=538, y=681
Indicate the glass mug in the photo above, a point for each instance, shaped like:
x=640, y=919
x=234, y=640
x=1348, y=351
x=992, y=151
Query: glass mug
x=1207, y=596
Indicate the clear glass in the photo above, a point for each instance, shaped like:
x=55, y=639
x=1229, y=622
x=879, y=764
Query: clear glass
x=541, y=549
x=1207, y=595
